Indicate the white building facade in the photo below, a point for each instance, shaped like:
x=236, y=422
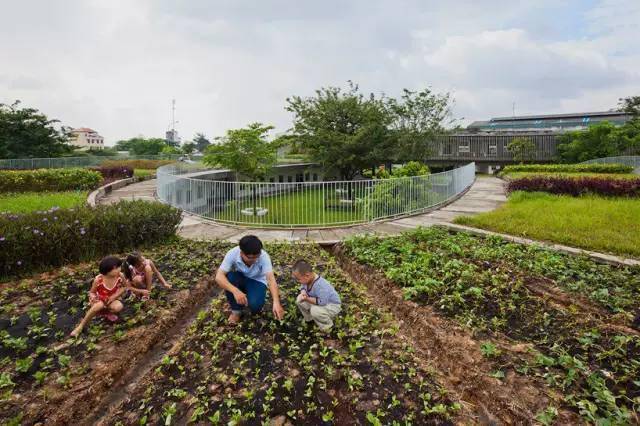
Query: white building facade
x=86, y=138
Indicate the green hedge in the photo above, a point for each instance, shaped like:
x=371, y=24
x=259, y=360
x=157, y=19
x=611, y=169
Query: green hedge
x=569, y=168
x=60, y=236
x=41, y=180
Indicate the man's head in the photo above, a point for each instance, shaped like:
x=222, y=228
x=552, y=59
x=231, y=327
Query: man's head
x=250, y=249
x=303, y=272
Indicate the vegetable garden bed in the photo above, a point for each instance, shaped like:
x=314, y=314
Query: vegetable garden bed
x=569, y=319
x=287, y=373
x=45, y=376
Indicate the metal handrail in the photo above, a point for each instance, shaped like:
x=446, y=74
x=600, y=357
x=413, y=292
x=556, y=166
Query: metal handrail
x=305, y=204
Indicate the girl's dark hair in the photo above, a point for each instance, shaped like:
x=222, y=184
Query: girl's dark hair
x=133, y=260
x=108, y=264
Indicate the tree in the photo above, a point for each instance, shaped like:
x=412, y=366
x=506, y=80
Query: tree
x=344, y=131
x=188, y=148
x=630, y=105
x=599, y=140
x=25, y=132
x=142, y=146
x=245, y=151
x=521, y=148
x=417, y=118
x=170, y=150
x=201, y=142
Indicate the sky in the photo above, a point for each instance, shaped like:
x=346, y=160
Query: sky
x=115, y=65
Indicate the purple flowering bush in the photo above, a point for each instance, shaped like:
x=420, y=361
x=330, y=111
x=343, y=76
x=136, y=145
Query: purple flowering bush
x=59, y=236
x=578, y=185
x=40, y=180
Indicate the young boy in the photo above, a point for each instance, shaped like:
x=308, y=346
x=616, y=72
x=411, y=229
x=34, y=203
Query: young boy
x=318, y=300
x=245, y=274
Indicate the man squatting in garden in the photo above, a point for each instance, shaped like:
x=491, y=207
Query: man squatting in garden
x=318, y=300
x=244, y=274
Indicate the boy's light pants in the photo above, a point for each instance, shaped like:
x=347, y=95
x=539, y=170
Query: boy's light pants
x=322, y=315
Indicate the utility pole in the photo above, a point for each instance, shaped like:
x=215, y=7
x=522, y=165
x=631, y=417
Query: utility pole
x=514, y=109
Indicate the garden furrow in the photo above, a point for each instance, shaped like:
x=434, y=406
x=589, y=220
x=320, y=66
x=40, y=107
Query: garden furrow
x=491, y=290
x=455, y=354
x=46, y=377
x=285, y=371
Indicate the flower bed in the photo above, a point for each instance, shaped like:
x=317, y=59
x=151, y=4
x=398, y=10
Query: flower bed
x=59, y=236
x=567, y=320
x=576, y=186
x=41, y=180
x=569, y=168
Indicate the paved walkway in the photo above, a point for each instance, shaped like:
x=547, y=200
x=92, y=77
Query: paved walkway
x=485, y=194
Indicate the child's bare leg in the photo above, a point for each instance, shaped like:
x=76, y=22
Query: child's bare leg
x=95, y=308
x=115, y=306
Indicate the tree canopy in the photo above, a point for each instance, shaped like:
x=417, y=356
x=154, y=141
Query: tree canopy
x=522, y=148
x=142, y=146
x=27, y=133
x=599, y=140
x=201, y=142
x=350, y=132
x=245, y=151
x=342, y=130
x=417, y=117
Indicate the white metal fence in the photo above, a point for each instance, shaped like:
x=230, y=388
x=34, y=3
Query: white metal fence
x=629, y=160
x=307, y=204
x=66, y=162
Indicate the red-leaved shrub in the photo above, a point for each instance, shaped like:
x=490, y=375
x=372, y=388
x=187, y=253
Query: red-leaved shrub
x=577, y=185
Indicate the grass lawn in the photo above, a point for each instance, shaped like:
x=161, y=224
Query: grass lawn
x=303, y=207
x=309, y=207
x=32, y=201
x=590, y=222
x=517, y=175
x=143, y=172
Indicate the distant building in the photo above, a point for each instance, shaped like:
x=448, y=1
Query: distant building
x=172, y=138
x=86, y=138
x=548, y=123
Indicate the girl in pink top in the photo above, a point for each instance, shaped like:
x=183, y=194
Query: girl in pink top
x=139, y=272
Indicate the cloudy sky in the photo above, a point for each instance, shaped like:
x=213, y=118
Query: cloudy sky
x=115, y=65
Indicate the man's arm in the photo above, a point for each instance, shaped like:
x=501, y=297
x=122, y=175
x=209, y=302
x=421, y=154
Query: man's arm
x=278, y=311
x=223, y=283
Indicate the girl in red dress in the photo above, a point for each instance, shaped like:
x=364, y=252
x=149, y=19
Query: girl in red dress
x=105, y=292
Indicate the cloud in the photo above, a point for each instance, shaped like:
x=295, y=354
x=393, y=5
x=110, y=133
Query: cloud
x=115, y=66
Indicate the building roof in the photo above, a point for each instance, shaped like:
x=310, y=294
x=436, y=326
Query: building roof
x=559, y=122
x=84, y=129
x=560, y=116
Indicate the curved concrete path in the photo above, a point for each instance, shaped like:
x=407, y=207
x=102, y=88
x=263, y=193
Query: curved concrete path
x=486, y=194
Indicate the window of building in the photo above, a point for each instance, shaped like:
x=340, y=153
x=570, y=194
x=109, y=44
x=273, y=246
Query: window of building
x=299, y=177
x=289, y=178
x=493, y=149
x=272, y=179
x=280, y=178
x=315, y=177
x=306, y=176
